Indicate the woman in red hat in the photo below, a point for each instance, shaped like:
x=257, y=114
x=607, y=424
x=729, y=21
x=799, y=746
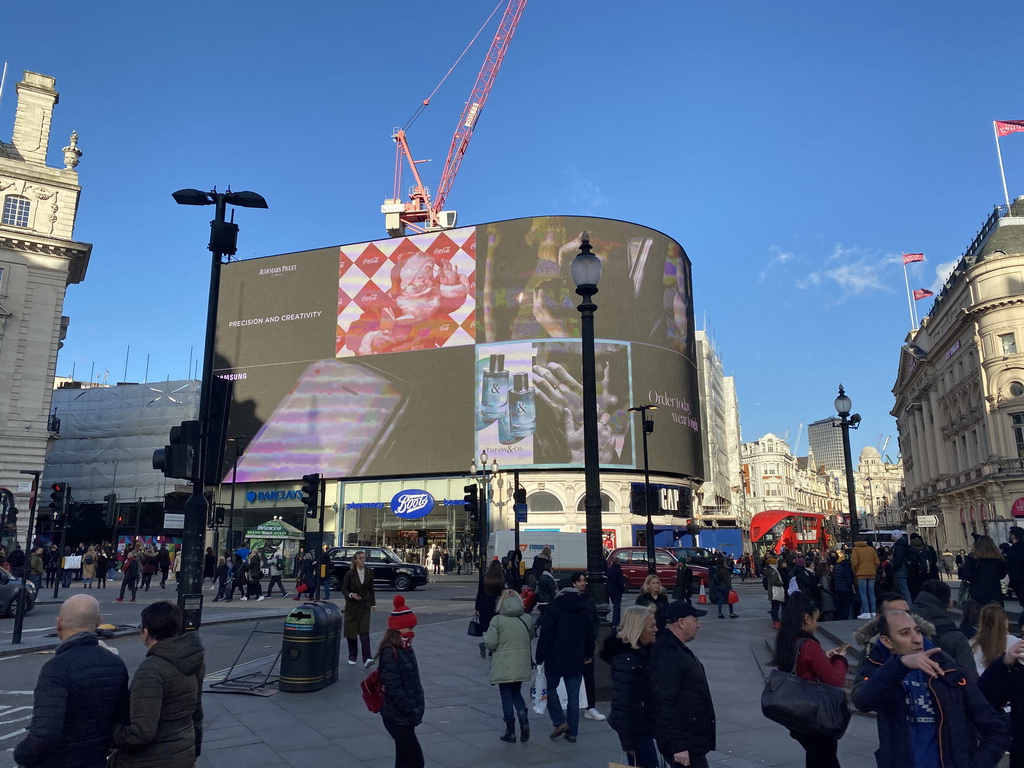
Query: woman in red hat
x=403, y=692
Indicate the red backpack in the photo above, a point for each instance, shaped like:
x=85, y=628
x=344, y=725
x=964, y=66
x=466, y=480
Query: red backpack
x=529, y=596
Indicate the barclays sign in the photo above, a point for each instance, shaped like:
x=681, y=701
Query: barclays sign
x=255, y=496
x=412, y=504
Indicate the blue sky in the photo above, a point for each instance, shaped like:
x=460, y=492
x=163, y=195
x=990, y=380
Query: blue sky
x=793, y=149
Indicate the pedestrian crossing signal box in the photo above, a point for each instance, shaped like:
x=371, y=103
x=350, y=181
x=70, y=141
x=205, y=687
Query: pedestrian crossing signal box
x=192, y=612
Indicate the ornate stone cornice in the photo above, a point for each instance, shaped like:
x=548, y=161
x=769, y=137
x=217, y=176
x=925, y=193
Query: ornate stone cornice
x=74, y=252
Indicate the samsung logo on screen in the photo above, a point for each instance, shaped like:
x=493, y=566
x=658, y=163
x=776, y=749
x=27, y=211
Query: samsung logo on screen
x=278, y=270
x=253, y=496
x=412, y=504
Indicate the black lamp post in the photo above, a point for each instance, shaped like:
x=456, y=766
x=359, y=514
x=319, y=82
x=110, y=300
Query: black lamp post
x=648, y=428
x=223, y=239
x=586, y=273
x=483, y=474
x=237, y=440
x=848, y=421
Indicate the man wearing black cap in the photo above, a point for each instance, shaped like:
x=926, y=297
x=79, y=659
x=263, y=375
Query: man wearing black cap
x=684, y=725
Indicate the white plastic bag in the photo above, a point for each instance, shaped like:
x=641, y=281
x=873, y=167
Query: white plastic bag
x=539, y=691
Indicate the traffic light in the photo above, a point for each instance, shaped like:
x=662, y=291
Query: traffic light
x=57, y=499
x=111, y=499
x=180, y=459
x=218, y=516
x=472, y=502
x=692, y=529
x=311, y=494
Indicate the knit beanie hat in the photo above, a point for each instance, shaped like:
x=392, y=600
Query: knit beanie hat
x=402, y=617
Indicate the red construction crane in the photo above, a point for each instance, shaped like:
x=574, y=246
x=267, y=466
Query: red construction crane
x=421, y=213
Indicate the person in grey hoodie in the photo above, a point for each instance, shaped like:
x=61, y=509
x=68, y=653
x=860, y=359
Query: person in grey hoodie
x=166, y=726
x=933, y=605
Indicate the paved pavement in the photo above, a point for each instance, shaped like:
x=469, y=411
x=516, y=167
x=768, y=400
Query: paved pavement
x=463, y=715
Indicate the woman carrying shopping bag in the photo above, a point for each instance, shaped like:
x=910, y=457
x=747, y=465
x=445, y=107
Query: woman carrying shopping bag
x=798, y=651
x=508, y=638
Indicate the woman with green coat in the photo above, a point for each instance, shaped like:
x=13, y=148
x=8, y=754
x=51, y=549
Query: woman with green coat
x=508, y=637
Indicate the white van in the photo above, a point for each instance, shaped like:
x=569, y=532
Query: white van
x=568, y=550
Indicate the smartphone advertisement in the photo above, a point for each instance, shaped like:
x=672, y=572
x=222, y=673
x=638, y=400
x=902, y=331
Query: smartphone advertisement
x=407, y=356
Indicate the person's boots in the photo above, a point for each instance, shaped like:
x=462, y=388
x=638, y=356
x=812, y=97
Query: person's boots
x=510, y=732
x=524, y=727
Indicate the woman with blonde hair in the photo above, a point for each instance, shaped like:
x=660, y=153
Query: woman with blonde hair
x=632, y=715
x=508, y=638
x=984, y=569
x=652, y=593
x=993, y=638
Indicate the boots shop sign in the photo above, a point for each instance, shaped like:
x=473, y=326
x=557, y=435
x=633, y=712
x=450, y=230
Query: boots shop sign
x=412, y=504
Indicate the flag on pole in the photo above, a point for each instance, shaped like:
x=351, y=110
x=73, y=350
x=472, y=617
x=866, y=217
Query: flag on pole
x=1006, y=127
x=922, y=293
x=910, y=258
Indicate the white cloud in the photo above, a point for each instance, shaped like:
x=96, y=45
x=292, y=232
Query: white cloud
x=780, y=257
x=943, y=271
x=584, y=194
x=855, y=273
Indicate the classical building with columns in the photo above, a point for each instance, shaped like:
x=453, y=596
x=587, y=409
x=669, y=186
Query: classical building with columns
x=960, y=390
x=39, y=259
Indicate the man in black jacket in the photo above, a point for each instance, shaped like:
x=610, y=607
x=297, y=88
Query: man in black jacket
x=684, y=725
x=1015, y=563
x=1003, y=683
x=79, y=696
x=565, y=647
x=932, y=604
x=929, y=713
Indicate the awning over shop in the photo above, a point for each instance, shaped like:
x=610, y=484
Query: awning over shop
x=275, y=530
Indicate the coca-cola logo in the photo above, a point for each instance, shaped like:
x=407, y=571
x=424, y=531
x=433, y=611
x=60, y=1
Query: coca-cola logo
x=444, y=326
x=442, y=250
x=371, y=260
x=370, y=297
x=412, y=504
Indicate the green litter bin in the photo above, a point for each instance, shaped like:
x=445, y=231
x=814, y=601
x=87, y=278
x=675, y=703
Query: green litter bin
x=304, y=649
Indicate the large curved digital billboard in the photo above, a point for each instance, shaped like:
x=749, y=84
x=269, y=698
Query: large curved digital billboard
x=408, y=356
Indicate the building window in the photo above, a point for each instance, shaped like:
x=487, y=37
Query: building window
x=542, y=501
x=16, y=210
x=1018, y=432
x=1009, y=343
x=1016, y=389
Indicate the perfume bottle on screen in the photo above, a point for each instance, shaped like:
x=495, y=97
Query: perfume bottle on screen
x=494, y=389
x=522, y=406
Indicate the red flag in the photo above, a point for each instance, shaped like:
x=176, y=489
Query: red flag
x=922, y=293
x=909, y=258
x=1006, y=127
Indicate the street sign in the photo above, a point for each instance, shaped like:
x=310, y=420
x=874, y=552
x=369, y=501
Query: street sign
x=521, y=511
x=173, y=521
x=927, y=521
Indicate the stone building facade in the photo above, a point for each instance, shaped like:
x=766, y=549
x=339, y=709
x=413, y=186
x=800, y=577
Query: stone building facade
x=719, y=497
x=39, y=259
x=960, y=390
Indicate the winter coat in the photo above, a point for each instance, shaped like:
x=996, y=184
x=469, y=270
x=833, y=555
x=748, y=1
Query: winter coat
x=547, y=588
x=776, y=587
x=209, y=565
x=509, y=636
x=485, y=603
x=149, y=563
x=947, y=634
x=807, y=584
x=812, y=663
x=843, y=579
x=900, y=556
x=616, y=580
x=566, y=635
x=403, y=691
x=971, y=733
x=79, y=696
x=35, y=565
x=684, y=716
x=89, y=569
x=985, y=576
x=927, y=554
x=684, y=583
x=357, y=612
x=867, y=634
x=660, y=604
x=632, y=715
x=1003, y=685
x=1015, y=568
x=166, y=727
x=864, y=560
x=828, y=598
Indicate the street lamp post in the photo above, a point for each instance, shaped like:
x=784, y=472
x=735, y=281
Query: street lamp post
x=647, y=428
x=483, y=475
x=848, y=421
x=237, y=440
x=223, y=239
x=586, y=274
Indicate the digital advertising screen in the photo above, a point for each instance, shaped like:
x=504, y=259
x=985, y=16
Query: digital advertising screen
x=407, y=356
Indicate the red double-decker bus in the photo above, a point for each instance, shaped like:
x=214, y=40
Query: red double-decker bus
x=774, y=529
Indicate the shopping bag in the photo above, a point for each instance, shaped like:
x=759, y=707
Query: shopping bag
x=733, y=597
x=539, y=691
x=474, y=629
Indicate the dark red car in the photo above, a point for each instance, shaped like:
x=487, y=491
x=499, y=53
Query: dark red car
x=634, y=566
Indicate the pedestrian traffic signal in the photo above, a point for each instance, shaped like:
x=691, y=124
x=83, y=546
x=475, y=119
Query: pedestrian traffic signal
x=472, y=502
x=311, y=494
x=111, y=499
x=692, y=529
x=218, y=516
x=180, y=459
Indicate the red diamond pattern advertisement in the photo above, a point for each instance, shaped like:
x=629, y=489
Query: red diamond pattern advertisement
x=416, y=292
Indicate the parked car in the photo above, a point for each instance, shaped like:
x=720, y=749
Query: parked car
x=634, y=566
x=388, y=568
x=9, y=594
x=693, y=555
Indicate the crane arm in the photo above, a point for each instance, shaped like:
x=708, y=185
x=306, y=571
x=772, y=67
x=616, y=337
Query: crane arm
x=477, y=99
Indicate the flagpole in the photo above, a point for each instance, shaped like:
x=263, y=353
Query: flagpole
x=1002, y=173
x=910, y=302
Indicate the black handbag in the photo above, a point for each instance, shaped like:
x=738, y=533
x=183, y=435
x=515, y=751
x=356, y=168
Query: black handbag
x=474, y=628
x=812, y=708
